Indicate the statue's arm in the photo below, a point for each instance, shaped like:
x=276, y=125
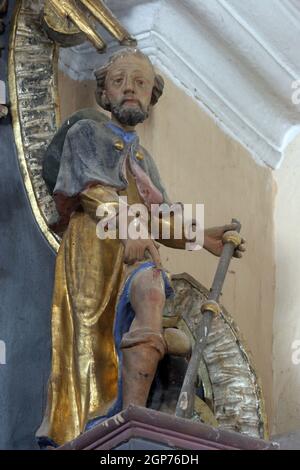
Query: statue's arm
x=100, y=196
x=167, y=225
x=69, y=23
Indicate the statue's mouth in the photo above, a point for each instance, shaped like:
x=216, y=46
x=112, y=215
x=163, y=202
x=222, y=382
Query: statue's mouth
x=131, y=102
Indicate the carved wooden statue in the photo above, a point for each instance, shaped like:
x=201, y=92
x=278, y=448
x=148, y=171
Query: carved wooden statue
x=108, y=330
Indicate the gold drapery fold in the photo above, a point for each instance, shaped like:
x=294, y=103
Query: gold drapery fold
x=88, y=280
x=88, y=276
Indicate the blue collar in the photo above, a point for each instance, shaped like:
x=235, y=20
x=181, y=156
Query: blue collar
x=128, y=137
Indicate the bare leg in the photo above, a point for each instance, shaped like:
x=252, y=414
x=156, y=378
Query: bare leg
x=148, y=299
x=143, y=346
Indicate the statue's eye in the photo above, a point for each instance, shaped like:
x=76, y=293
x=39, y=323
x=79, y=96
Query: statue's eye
x=140, y=82
x=118, y=81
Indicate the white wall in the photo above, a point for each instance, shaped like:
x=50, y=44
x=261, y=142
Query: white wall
x=287, y=312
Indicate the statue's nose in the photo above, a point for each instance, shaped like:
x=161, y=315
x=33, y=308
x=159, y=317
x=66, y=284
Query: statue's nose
x=129, y=85
x=128, y=91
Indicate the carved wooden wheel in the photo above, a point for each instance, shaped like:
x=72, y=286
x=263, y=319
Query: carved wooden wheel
x=231, y=388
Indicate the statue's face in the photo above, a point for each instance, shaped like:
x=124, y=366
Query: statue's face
x=128, y=87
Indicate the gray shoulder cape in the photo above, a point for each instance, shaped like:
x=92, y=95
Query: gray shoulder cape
x=86, y=152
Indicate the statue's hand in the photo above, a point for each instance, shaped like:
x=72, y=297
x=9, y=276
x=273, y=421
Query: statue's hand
x=138, y=250
x=69, y=23
x=213, y=240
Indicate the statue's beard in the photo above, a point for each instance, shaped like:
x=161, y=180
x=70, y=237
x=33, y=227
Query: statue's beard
x=128, y=116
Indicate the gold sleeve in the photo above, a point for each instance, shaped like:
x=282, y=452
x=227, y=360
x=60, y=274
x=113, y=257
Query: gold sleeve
x=98, y=195
x=167, y=226
x=108, y=197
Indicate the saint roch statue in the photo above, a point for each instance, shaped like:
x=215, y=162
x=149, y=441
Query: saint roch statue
x=109, y=293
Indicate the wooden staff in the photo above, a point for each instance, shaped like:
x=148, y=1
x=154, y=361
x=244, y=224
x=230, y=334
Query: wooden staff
x=185, y=404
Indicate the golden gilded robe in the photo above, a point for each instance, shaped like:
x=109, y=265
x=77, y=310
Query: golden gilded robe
x=89, y=277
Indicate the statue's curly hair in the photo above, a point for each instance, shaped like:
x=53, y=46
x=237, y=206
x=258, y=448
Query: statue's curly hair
x=101, y=73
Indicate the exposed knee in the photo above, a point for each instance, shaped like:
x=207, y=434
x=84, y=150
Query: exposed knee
x=148, y=288
x=150, y=295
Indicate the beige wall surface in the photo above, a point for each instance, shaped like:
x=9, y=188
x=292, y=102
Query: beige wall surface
x=199, y=163
x=287, y=312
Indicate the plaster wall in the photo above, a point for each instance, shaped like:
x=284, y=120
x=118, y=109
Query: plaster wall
x=287, y=318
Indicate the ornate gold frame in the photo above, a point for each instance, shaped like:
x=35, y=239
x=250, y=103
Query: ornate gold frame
x=17, y=33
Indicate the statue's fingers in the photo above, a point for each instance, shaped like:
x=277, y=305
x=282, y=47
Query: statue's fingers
x=132, y=256
x=70, y=10
x=242, y=247
x=141, y=254
x=237, y=254
x=105, y=17
x=128, y=255
x=127, y=259
x=154, y=255
x=229, y=227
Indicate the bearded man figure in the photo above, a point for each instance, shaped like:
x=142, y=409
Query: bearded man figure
x=109, y=294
